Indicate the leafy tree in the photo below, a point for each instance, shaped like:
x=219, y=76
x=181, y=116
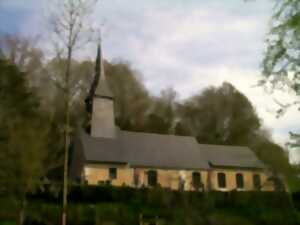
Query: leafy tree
x=160, y=117
x=132, y=101
x=281, y=65
x=220, y=116
x=272, y=154
x=23, y=137
x=181, y=129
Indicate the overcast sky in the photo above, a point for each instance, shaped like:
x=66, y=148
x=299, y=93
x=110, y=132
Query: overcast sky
x=184, y=44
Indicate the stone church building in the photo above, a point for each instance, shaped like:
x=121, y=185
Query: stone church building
x=109, y=155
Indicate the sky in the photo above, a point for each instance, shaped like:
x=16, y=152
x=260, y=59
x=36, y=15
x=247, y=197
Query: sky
x=184, y=44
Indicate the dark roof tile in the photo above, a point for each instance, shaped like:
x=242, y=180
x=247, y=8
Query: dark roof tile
x=145, y=149
x=231, y=156
x=165, y=151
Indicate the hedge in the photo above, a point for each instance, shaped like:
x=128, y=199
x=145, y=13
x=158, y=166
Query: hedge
x=124, y=205
x=164, y=197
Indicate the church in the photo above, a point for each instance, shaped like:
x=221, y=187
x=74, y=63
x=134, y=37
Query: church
x=109, y=155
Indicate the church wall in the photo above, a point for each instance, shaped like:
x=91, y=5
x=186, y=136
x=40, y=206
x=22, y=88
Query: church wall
x=231, y=183
x=103, y=119
x=99, y=173
x=170, y=178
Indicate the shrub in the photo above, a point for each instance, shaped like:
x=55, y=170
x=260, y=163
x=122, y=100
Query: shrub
x=123, y=205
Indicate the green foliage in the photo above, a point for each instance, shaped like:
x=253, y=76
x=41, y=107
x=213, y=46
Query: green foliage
x=147, y=114
x=283, y=46
x=162, y=117
x=228, y=218
x=23, y=133
x=24, y=136
x=7, y=222
x=294, y=183
x=172, y=207
x=43, y=213
x=220, y=115
x=272, y=154
x=16, y=99
x=131, y=98
x=281, y=65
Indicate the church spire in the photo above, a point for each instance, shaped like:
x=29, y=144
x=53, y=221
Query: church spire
x=98, y=89
x=102, y=90
x=97, y=66
x=100, y=103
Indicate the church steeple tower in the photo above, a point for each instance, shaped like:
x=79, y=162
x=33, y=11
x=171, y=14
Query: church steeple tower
x=100, y=102
x=102, y=89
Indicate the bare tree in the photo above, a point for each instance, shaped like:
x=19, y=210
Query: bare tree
x=24, y=53
x=70, y=30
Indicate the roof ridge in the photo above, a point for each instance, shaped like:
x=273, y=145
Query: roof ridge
x=156, y=134
x=233, y=146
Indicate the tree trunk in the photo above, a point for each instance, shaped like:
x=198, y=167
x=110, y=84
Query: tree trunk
x=66, y=137
x=65, y=190
x=21, y=218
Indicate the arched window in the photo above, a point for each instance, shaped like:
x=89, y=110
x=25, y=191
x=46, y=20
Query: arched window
x=256, y=181
x=136, y=177
x=239, y=180
x=196, y=180
x=181, y=184
x=112, y=173
x=152, y=178
x=221, y=180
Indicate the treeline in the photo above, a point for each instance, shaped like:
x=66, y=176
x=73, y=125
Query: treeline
x=216, y=115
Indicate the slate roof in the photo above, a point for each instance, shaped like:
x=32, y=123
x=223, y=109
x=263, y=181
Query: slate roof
x=162, y=151
x=145, y=150
x=103, y=89
x=101, y=149
x=100, y=86
x=231, y=156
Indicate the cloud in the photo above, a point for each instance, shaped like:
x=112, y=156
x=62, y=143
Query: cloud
x=176, y=41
